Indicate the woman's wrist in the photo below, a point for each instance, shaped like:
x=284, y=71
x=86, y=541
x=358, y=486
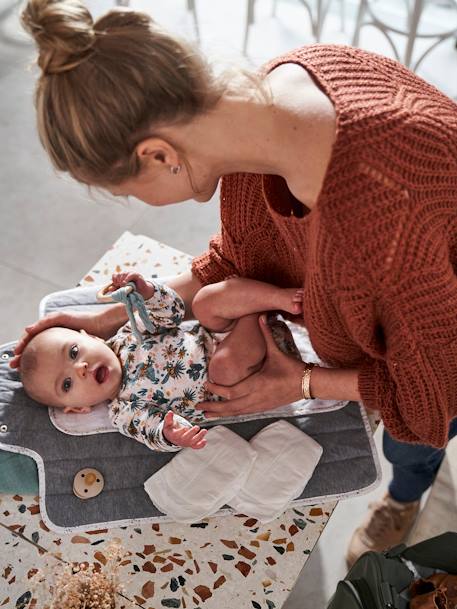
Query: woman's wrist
x=306, y=382
x=334, y=383
x=110, y=320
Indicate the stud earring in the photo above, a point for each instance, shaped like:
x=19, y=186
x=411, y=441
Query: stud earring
x=175, y=169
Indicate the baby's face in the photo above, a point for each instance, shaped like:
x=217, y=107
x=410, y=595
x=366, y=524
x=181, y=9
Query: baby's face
x=75, y=371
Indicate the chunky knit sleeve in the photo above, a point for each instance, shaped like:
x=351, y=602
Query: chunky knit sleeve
x=215, y=264
x=250, y=243
x=220, y=261
x=413, y=379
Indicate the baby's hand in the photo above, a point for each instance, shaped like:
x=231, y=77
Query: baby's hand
x=144, y=288
x=187, y=437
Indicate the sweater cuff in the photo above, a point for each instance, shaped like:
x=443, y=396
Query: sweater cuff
x=206, y=271
x=212, y=266
x=377, y=390
x=367, y=386
x=377, y=393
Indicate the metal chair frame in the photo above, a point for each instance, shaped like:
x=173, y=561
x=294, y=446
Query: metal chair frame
x=317, y=17
x=414, y=8
x=190, y=7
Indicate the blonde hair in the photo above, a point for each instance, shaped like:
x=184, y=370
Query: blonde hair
x=106, y=85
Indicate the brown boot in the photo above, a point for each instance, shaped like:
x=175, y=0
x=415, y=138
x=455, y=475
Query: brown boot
x=431, y=600
x=439, y=582
x=387, y=524
x=449, y=582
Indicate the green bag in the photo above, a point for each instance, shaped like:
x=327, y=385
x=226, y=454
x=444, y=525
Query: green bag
x=380, y=580
x=18, y=474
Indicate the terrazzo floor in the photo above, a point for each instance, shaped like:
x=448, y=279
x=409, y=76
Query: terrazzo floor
x=52, y=230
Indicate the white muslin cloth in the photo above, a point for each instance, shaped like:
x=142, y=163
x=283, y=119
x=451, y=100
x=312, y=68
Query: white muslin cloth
x=257, y=478
x=196, y=483
x=286, y=460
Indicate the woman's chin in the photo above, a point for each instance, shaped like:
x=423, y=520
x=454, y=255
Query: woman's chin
x=204, y=197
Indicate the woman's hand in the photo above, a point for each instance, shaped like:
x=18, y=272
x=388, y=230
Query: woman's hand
x=278, y=382
x=104, y=324
x=179, y=435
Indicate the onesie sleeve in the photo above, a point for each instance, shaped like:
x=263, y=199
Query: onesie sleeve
x=165, y=310
x=144, y=424
x=413, y=383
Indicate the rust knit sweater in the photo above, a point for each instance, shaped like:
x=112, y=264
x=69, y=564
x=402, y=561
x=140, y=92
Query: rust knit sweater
x=377, y=255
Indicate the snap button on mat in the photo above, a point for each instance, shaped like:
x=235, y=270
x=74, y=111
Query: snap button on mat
x=88, y=483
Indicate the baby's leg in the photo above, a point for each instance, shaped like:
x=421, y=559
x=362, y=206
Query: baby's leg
x=240, y=354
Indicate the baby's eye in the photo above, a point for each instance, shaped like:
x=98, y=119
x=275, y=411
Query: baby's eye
x=74, y=350
x=66, y=385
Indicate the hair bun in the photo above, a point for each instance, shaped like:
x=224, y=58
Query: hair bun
x=63, y=31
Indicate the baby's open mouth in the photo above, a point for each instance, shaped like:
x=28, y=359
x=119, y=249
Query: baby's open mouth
x=101, y=374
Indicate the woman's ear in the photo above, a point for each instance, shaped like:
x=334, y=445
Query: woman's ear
x=157, y=152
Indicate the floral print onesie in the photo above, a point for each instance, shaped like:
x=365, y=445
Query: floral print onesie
x=168, y=369
x=165, y=372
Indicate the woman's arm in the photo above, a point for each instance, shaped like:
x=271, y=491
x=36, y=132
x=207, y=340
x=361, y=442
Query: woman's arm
x=413, y=385
x=335, y=383
x=104, y=323
x=279, y=383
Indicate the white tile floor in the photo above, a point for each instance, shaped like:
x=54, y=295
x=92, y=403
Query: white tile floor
x=52, y=230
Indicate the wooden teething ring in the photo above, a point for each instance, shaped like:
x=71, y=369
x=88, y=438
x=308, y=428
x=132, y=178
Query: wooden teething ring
x=104, y=293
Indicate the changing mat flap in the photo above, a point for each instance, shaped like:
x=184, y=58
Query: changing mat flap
x=98, y=420
x=348, y=465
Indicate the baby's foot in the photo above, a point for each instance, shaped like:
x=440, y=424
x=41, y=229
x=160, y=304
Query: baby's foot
x=291, y=300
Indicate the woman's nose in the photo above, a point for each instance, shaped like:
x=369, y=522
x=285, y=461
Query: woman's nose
x=81, y=368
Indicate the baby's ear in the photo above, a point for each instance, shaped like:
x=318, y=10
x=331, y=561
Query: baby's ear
x=82, y=410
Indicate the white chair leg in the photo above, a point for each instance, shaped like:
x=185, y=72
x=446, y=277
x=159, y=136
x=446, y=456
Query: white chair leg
x=191, y=6
x=322, y=10
x=358, y=22
x=413, y=18
x=249, y=22
x=342, y=15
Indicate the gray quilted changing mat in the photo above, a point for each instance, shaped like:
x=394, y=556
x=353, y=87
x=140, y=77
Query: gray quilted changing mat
x=348, y=466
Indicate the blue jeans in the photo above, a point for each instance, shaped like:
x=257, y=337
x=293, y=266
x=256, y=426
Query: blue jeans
x=414, y=466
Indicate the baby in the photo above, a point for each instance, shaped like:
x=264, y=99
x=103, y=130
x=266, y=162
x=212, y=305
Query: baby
x=154, y=386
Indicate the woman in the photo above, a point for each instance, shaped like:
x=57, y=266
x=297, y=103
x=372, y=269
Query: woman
x=339, y=172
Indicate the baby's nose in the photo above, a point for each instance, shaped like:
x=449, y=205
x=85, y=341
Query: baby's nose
x=82, y=368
